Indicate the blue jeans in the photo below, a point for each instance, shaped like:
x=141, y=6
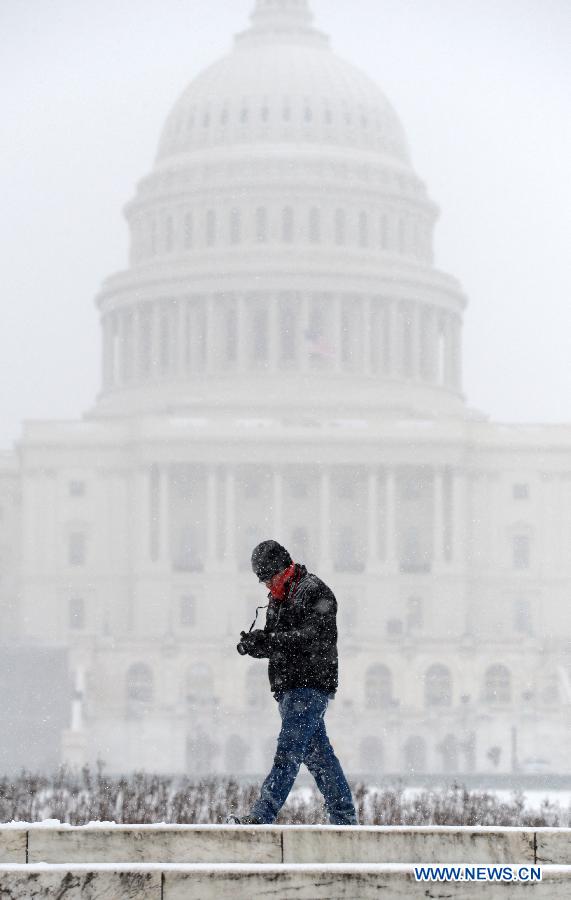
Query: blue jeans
x=303, y=739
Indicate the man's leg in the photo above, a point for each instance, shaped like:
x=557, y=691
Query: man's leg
x=301, y=709
x=321, y=761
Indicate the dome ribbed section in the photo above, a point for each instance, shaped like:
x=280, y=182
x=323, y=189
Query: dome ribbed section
x=282, y=84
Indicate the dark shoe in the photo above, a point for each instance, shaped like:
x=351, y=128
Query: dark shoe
x=245, y=820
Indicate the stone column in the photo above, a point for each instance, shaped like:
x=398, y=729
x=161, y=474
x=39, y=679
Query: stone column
x=432, y=345
x=325, y=519
x=366, y=324
x=136, y=344
x=211, y=507
x=273, y=333
x=448, y=351
x=107, y=350
x=242, y=325
x=164, y=515
x=304, y=327
x=155, y=338
x=415, y=339
x=209, y=336
x=337, y=333
x=230, y=496
x=457, y=353
x=122, y=345
x=459, y=519
x=391, y=324
x=277, y=477
x=181, y=337
x=391, y=560
x=438, y=521
x=141, y=518
x=373, y=562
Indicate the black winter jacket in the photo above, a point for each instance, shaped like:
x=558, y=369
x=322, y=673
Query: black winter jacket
x=302, y=635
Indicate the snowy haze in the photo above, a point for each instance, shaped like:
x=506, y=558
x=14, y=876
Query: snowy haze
x=481, y=87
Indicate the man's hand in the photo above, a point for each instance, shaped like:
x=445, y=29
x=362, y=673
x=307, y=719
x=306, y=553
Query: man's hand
x=255, y=643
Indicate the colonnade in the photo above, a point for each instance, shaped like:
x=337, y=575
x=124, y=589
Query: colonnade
x=447, y=523
x=275, y=333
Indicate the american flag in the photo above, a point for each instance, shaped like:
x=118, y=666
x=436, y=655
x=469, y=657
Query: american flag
x=318, y=345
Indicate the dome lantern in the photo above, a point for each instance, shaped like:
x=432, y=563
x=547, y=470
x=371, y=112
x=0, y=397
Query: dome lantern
x=290, y=19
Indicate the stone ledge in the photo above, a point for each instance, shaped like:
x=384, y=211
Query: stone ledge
x=278, y=844
x=107, y=842
x=247, y=882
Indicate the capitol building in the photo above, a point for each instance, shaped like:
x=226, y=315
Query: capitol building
x=282, y=358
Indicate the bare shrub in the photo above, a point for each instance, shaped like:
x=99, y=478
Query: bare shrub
x=78, y=797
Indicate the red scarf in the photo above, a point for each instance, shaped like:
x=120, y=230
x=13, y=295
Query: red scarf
x=278, y=583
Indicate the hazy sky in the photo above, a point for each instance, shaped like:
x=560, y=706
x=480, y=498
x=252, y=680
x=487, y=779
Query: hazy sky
x=482, y=87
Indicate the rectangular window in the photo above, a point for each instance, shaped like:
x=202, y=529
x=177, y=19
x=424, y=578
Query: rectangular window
x=76, y=488
x=520, y=491
x=187, y=610
x=521, y=551
x=77, y=613
x=76, y=549
x=522, y=616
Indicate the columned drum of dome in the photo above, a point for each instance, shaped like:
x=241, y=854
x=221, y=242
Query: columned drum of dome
x=282, y=232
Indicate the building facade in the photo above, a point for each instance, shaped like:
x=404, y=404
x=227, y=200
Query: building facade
x=281, y=358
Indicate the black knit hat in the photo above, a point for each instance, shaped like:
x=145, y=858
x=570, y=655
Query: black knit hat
x=269, y=558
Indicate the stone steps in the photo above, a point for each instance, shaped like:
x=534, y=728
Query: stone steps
x=172, y=862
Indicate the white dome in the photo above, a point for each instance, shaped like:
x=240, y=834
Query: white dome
x=282, y=84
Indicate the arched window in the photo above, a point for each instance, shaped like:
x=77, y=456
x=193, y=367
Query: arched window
x=139, y=686
x=378, y=687
x=199, y=687
x=363, y=230
x=308, y=114
x=287, y=225
x=448, y=750
x=210, y=228
x=371, y=755
x=169, y=234
x=520, y=551
x=236, y=754
x=153, y=237
x=261, y=225
x=257, y=687
x=415, y=754
x=314, y=226
x=340, y=227
x=497, y=685
x=235, y=226
x=188, y=230
x=224, y=117
x=244, y=116
x=438, y=686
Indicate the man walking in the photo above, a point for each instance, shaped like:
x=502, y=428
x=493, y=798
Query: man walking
x=300, y=641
